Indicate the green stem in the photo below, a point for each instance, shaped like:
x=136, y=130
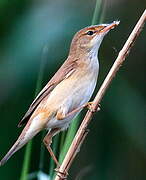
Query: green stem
x=69, y=137
x=66, y=138
x=97, y=17
x=27, y=156
x=98, y=12
x=26, y=161
x=62, y=140
x=42, y=153
x=102, y=12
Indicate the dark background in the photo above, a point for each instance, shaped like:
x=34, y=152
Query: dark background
x=115, y=148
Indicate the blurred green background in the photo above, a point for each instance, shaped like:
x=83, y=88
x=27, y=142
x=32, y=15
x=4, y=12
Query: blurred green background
x=115, y=148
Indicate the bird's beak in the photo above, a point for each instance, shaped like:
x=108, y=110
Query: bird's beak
x=110, y=26
x=105, y=28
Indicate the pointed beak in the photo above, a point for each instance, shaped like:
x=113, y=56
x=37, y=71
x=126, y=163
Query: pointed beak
x=110, y=26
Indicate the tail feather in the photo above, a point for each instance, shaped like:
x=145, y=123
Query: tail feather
x=14, y=148
x=30, y=130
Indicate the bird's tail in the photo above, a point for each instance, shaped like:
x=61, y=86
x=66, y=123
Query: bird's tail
x=30, y=130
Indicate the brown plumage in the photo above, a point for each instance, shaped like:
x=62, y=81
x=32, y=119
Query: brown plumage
x=67, y=92
x=61, y=74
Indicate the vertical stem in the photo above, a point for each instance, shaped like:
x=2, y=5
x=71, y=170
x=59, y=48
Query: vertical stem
x=97, y=12
x=97, y=18
x=42, y=149
x=27, y=156
x=26, y=161
x=69, y=137
x=62, y=140
x=102, y=12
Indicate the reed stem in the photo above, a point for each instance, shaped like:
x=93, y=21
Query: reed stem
x=28, y=150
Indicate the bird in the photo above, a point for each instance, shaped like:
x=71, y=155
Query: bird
x=68, y=91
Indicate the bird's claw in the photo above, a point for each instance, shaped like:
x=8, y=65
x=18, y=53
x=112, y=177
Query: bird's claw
x=90, y=108
x=62, y=175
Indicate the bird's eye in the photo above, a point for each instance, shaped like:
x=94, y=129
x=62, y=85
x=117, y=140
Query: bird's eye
x=90, y=33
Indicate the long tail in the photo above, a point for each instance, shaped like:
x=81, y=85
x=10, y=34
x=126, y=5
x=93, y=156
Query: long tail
x=30, y=130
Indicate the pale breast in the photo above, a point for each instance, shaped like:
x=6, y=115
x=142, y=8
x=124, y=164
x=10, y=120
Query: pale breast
x=71, y=93
x=77, y=89
x=70, y=99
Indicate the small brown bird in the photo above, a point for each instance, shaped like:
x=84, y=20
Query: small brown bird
x=67, y=93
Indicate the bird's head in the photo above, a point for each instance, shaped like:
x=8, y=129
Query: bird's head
x=90, y=38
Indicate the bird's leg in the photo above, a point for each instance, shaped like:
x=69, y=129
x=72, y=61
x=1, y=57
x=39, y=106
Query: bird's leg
x=61, y=116
x=47, y=142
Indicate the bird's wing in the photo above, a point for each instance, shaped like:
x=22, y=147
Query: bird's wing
x=64, y=72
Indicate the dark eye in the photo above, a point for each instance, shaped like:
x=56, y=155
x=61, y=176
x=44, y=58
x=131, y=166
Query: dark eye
x=90, y=33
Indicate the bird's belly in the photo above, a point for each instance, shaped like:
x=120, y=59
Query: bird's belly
x=76, y=99
x=62, y=124
x=78, y=96
x=68, y=96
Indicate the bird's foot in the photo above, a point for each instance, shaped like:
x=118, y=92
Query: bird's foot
x=90, y=108
x=62, y=175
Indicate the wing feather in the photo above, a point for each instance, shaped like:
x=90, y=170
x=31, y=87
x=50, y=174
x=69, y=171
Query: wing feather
x=64, y=72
